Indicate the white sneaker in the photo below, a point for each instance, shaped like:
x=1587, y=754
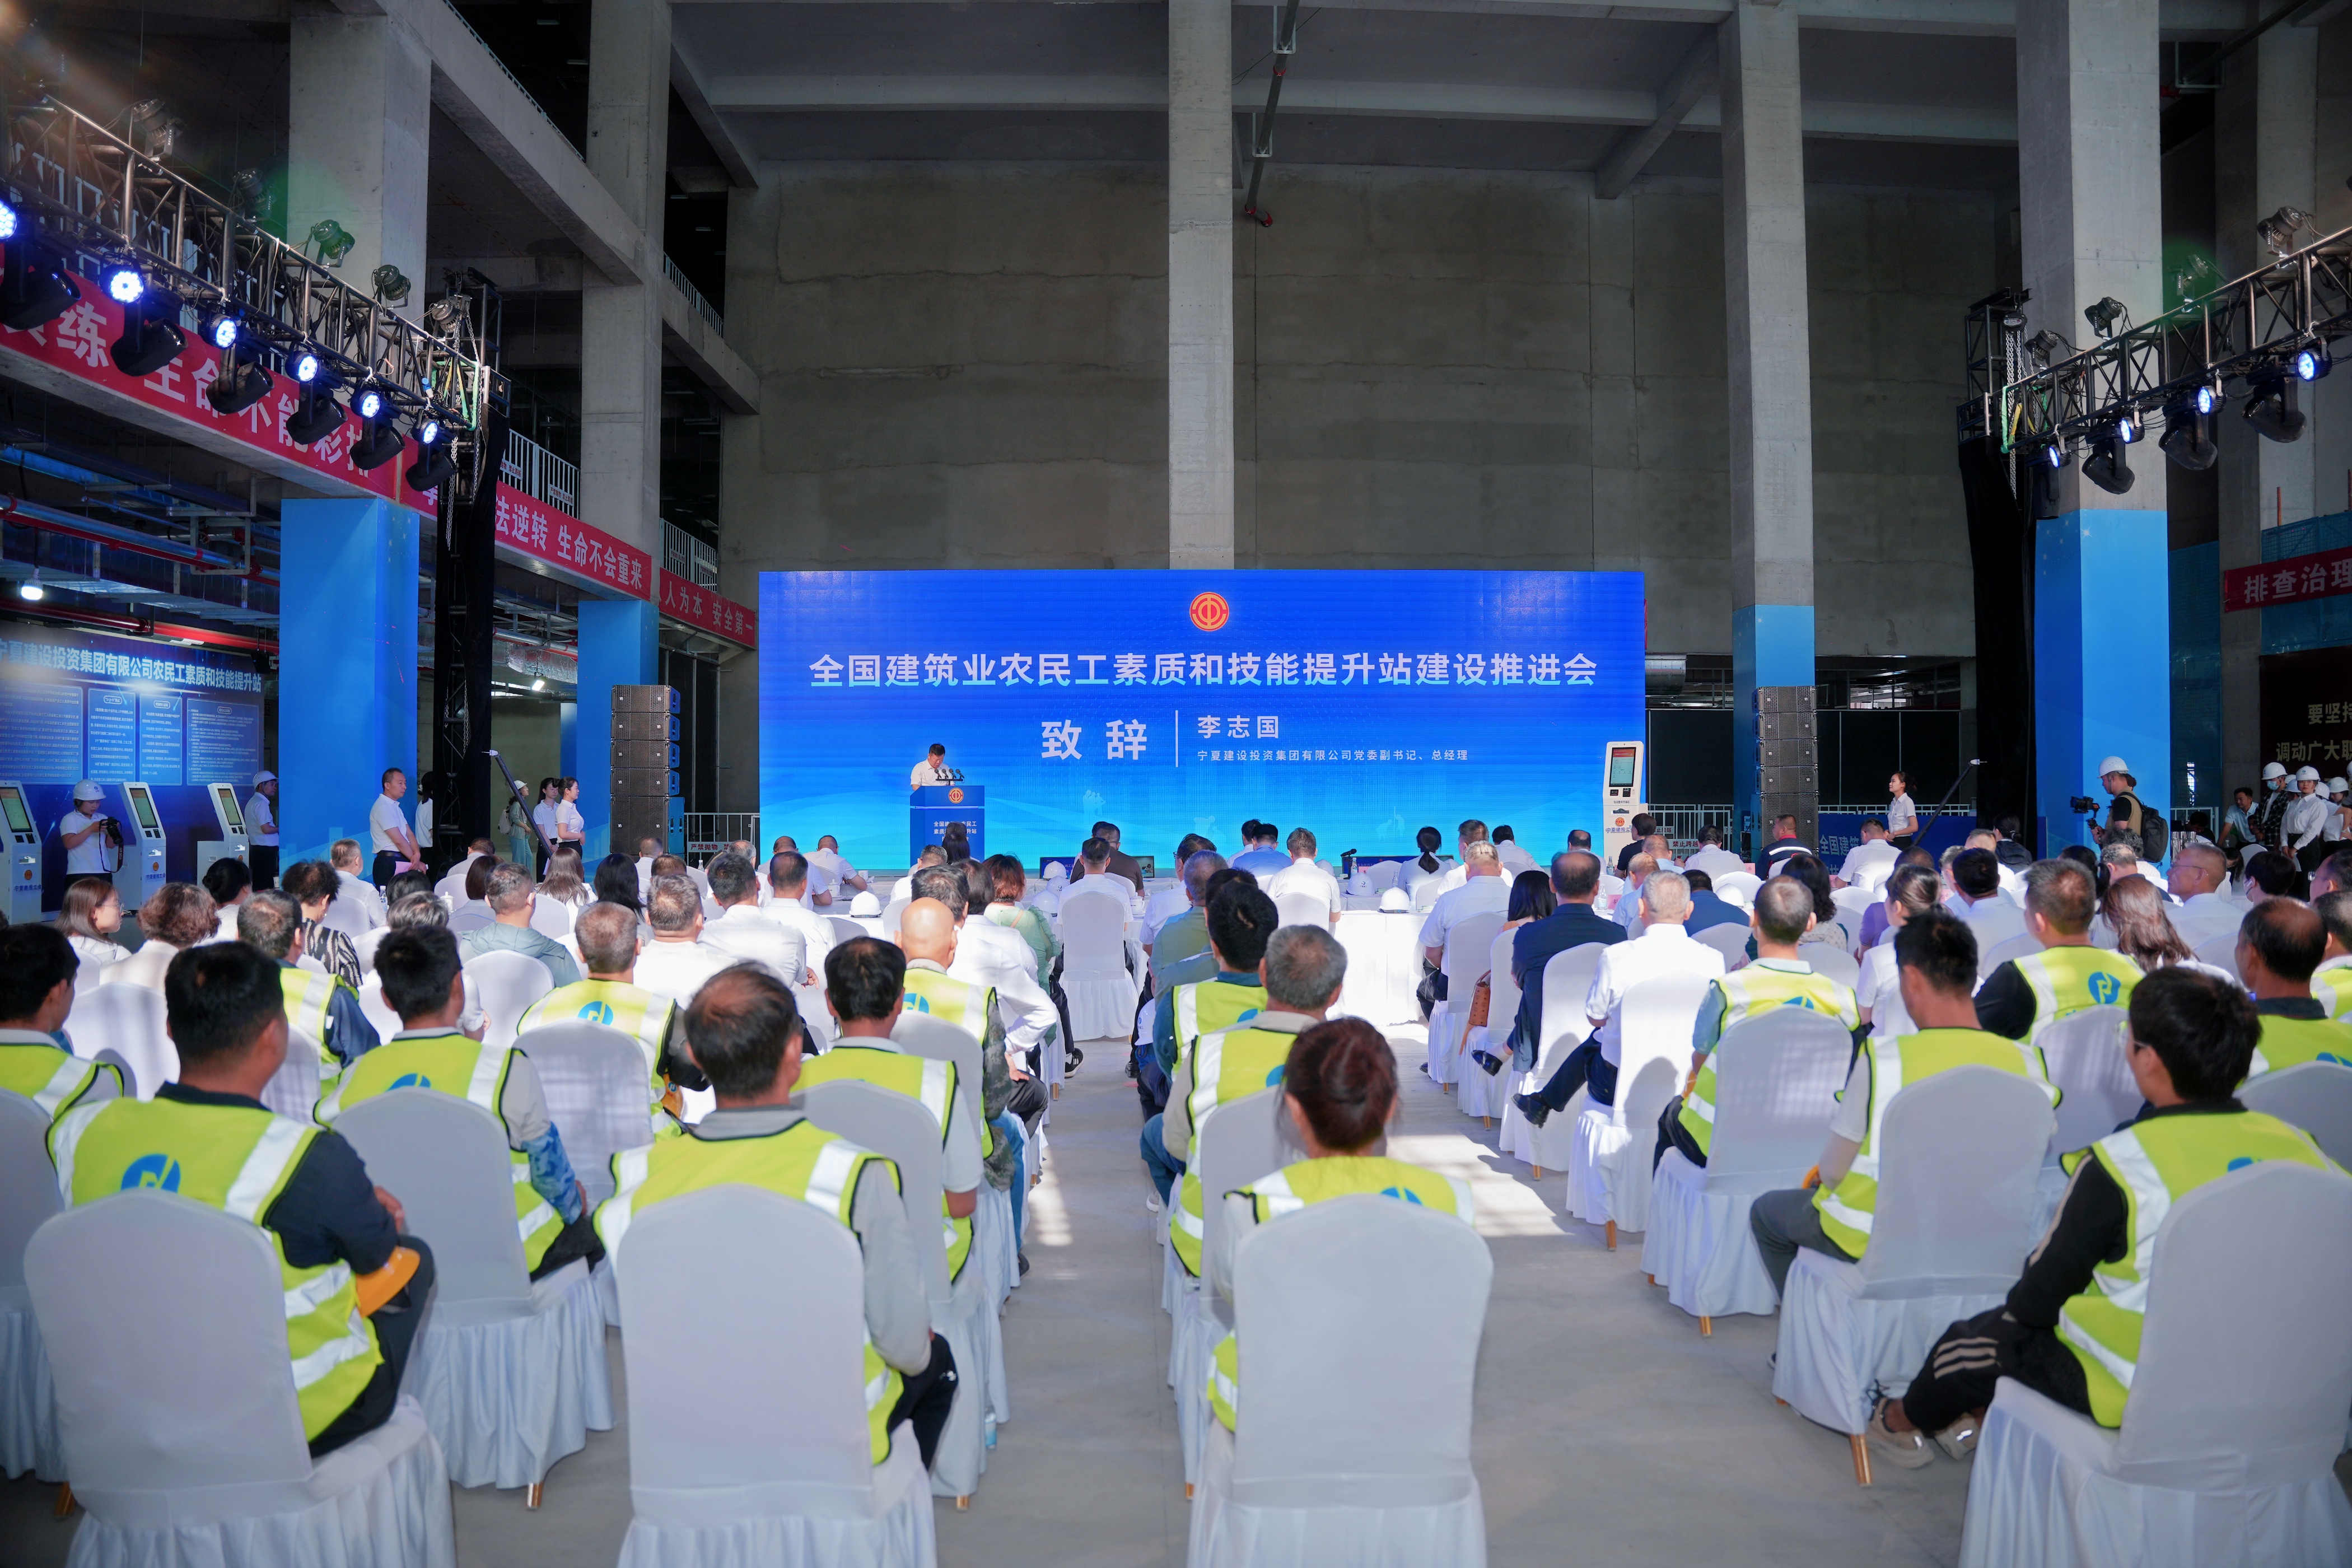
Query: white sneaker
x=1151, y=1202
x=1905, y=1451
x=1959, y=1440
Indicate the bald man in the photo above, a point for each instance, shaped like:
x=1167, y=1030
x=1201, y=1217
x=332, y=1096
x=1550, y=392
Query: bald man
x=2200, y=880
x=927, y=934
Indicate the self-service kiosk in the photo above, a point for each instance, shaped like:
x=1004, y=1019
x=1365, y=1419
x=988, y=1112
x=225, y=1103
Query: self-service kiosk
x=231, y=844
x=141, y=871
x=1623, y=788
x=24, y=854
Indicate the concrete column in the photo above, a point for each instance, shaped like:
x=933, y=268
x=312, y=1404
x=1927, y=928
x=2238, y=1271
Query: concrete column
x=1199, y=284
x=619, y=646
x=359, y=121
x=1770, y=372
x=346, y=685
x=2091, y=208
x=621, y=330
x=2265, y=154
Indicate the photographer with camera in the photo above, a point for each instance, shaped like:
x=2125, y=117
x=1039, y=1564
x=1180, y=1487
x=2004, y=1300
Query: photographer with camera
x=93, y=840
x=2129, y=823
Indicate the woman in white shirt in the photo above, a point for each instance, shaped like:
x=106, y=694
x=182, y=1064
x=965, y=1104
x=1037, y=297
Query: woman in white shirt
x=91, y=915
x=1912, y=890
x=1901, y=814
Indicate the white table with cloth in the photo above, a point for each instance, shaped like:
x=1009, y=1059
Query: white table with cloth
x=1383, y=964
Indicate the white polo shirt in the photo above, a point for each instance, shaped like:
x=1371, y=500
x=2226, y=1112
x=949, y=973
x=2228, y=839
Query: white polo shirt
x=1865, y=857
x=261, y=820
x=924, y=775
x=1307, y=876
x=385, y=817
x=87, y=859
x=1476, y=896
x=1902, y=816
x=1658, y=951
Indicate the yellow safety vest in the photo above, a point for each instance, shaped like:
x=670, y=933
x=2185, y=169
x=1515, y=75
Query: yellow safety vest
x=918, y=1078
x=308, y=994
x=1896, y=1063
x=639, y=1013
x=53, y=1080
x=1226, y=1064
x=2155, y=1163
x=2066, y=980
x=2333, y=989
x=1294, y=1187
x=1205, y=1006
x=2290, y=1042
x=802, y=1161
x=452, y=1064
x=237, y=1160
x=1747, y=993
x=939, y=995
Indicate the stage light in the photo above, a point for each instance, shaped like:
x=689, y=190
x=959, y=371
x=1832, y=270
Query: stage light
x=378, y=443
x=538, y=685
x=2048, y=492
x=2105, y=315
x=7, y=222
x=2127, y=428
x=391, y=285
x=240, y=384
x=428, y=432
x=152, y=337
x=2106, y=466
x=221, y=331
x=305, y=368
x=369, y=404
x=2188, y=437
x=35, y=288
x=332, y=239
x=2208, y=399
x=2310, y=363
x=2271, y=407
x=435, y=465
x=316, y=415
x=31, y=589
x=2045, y=346
x=124, y=286
x=2277, y=231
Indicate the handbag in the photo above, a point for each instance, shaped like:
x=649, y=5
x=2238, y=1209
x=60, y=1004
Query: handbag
x=1481, y=999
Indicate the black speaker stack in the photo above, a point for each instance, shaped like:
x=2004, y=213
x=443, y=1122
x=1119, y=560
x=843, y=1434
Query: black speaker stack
x=645, y=763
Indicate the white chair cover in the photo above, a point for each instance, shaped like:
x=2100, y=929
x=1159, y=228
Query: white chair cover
x=2222, y=952
x=1237, y=1144
x=1302, y=910
x=994, y=1244
x=1730, y=940
x=1467, y=946
x=128, y=1020
x=1740, y=887
x=1332, y=1465
x=846, y=929
x=28, y=1196
x=1383, y=874
x=1776, y=1082
x=2315, y=1095
x=1834, y=962
x=1951, y=1225
x=293, y=1089
x=1567, y=977
x=551, y=918
x=507, y=984
x=363, y=947
x=597, y=1083
x=2007, y=950
x=2236, y=1414
x=1609, y=1161
x=759, y=1456
x=897, y=1126
x=1102, y=993
x=380, y=1015
x=511, y=1373
x=1853, y=903
x=200, y=1458
x=2085, y=1054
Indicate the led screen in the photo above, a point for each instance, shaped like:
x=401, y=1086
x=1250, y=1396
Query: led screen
x=1362, y=705
x=13, y=804
x=145, y=809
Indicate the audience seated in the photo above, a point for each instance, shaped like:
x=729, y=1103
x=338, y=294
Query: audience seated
x=472, y=910
x=743, y=932
x=89, y=916
x=1662, y=948
x=512, y=896
x=423, y=983
x=1778, y=977
x=228, y=882
x=2070, y=1330
x=316, y=887
x=2278, y=946
x=1711, y=857
x=37, y=968
x=1485, y=890
x=1240, y=920
x=927, y=937
x=788, y=907
x=1303, y=876
x=1991, y=917
x=747, y=1037
x=452, y=885
x=319, y=1007
x=1096, y=880
x=1185, y=934
x=1006, y=883
x=2200, y=880
x=1874, y=919
x=2134, y=914
x=1339, y=1095
x=1427, y=867
x=1575, y=882
x=1170, y=901
x=1937, y=959
x=1629, y=899
x=1119, y=863
x=177, y=916
x=844, y=877
x=1831, y=925
x=607, y=935
x=1708, y=911
x=994, y=955
x=1516, y=860
x=675, y=963
x=1911, y=891
x=1782, y=843
x=2332, y=981
x=1868, y=862
x=357, y=908
x=208, y=1138
x=1261, y=855
x=2025, y=995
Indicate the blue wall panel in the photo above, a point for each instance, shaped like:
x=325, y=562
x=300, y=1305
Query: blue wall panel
x=2098, y=577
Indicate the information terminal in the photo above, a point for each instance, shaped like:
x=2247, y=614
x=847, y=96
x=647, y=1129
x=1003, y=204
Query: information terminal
x=231, y=844
x=23, y=855
x=141, y=874
x=1622, y=788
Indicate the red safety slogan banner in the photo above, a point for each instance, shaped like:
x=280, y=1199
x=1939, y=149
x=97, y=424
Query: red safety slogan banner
x=536, y=529
x=2287, y=581
x=713, y=613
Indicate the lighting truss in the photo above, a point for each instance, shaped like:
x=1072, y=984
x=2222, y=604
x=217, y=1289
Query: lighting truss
x=2250, y=328
x=99, y=198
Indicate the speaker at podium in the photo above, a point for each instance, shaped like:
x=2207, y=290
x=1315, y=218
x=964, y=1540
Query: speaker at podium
x=930, y=808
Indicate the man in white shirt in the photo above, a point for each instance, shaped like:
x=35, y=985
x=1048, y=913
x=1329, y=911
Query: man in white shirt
x=649, y=849
x=931, y=770
x=1867, y=864
x=451, y=889
x=1975, y=878
x=787, y=880
x=261, y=830
x=388, y=832
x=358, y=906
x=1627, y=911
x=1483, y=891
x=838, y=870
x=2200, y=874
x=1662, y=948
x=1303, y=876
x=990, y=954
x=740, y=932
x=2013, y=881
x=1099, y=882
x=1514, y=858
x=83, y=830
x=1260, y=856
x=1717, y=862
x=817, y=891
x=676, y=962
x=1472, y=831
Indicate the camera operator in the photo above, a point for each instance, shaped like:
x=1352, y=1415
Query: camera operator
x=93, y=840
x=2129, y=823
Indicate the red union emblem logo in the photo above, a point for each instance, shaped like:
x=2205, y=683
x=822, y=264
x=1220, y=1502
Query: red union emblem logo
x=955, y=797
x=1209, y=612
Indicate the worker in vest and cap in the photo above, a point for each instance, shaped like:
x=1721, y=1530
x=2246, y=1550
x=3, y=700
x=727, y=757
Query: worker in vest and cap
x=37, y=969
x=927, y=934
x=746, y=1033
x=1778, y=977
x=423, y=983
x=2278, y=947
x=320, y=1008
x=1240, y=920
x=1936, y=966
x=2331, y=983
x=1302, y=973
x=2027, y=995
x=865, y=989
x=1339, y=1096
x=355, y=1286
x=608, y=939
x=2070, y=1330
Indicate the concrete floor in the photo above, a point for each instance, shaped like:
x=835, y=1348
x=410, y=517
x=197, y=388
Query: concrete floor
x=1608, y=1430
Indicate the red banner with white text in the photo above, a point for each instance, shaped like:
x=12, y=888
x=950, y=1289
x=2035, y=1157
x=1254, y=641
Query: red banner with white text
x=589, y=555
x=709, y=611
x=2298, y=577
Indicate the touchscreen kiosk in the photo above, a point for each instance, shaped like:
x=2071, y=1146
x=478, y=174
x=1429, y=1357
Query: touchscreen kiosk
x=230, y=818
x=1622, y=787
x=141, y=872
x=24, y=854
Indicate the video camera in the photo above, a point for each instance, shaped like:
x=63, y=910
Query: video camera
x=2083, y=805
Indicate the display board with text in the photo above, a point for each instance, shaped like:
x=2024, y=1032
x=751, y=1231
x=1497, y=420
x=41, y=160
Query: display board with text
x=1362, y=705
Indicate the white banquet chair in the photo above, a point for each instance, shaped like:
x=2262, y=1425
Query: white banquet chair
x=1609, y=1161
x=128, y=1020
x=1833, y=963
x=1493, y=1037
x=293, y=1089
x=1853, y=903
x=2222, y=952
x=1095, y=977
x=507, y=984
x=762, y=1454
x=598, y=1085
x=2008, y=950
x=29, y=1197
x=1950, y=1228
x=511, y=1370
x=1732, y=943
x=2313, y=1096
x=1235, y=1143
x=2085, y=1054
x=1467, y=947
x=1329, y=1466
x=992, y=1241
x=1738, y=887
x=2229, y=1435
x=202, y=1459
x=1776, y=1081
x=1302, y=910
x=1568, y=978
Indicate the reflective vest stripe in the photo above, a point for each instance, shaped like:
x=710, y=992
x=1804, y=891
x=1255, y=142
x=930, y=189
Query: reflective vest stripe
x=1274, y=1196
x=1885, y=1083
x=64, y=1137
x=489, y=1080
x=353, y=1342
x=630, y=1169
x=938, y=1087
x=1702, y=1109
x=69, y=1076
x=1207, y=1063
x=828, y=1183
x=1193, y=1225
x=263, y=1169
x=2075, y=1335
x=315, y=1293
x=308, y=999
x=2151, y=1201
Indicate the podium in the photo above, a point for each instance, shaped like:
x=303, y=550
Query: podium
x=930, y=808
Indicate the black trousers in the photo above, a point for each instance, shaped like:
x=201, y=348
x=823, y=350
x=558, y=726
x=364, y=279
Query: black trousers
x=576, y=1240
x=261, y=859
x=1976, y=1353
x=1029, y=1098
x=395, y=1324
x=387, y=865
x=926, y=1397
x=1902, y=841
x=1583, y=1069
x=1673, y=1134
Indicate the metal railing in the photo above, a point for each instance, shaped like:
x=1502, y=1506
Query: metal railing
x=702, y=307
x=684, y=556
x=511, y=76
x=709, y=832
x=540, y=474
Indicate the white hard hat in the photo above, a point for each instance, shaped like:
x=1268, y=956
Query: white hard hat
x=2338, y=786
x=2274, y=770
x=2306, y=775
x=1057, y=872
x=2113, y=765
x=1393, y=900
x=866, y=904
x=263, y=777
x=88, y=790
